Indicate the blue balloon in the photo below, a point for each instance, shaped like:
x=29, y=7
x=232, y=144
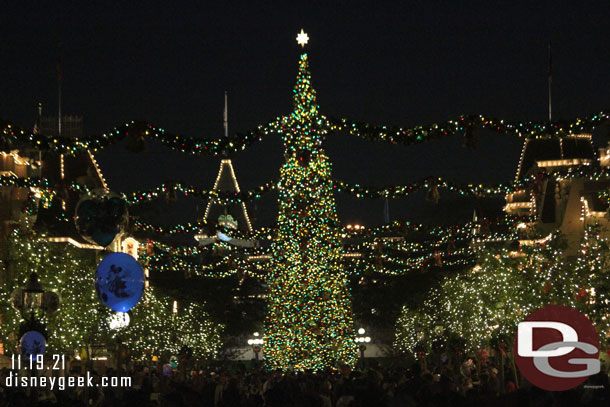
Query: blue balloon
x=167, y=370
x=119, y=282
x=32, y=344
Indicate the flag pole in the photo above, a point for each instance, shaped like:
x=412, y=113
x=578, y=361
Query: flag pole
x=59, y=78
x=550, y=80
x=226, y=117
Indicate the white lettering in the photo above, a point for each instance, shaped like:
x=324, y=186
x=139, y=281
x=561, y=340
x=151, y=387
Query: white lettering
x=525, y=338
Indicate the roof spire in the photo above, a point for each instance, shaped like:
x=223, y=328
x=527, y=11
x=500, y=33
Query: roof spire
x=550, y=81
x=225, y=117
x=59, y=79
x=38, y=119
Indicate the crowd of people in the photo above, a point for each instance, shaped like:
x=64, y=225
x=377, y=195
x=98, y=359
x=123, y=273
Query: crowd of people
x=373, y=386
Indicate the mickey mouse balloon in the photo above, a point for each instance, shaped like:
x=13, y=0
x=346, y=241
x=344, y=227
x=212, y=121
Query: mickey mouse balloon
x=100, y=216
x=119, y=282
x=32, y=343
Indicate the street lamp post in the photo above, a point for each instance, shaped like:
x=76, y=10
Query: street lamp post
x=256, y=344
x=361, y=339
x=31, y=301
x=31, y=295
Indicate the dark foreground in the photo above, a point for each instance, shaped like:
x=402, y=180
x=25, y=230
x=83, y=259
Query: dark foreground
x=372, y=387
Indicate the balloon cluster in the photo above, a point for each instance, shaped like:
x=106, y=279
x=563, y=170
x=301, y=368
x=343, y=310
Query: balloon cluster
x=101, y=216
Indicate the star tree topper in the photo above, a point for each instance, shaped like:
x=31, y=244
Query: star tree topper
x=302, y=38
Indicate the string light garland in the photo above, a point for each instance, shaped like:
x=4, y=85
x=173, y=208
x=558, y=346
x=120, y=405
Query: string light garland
x=467, y=125
x=203, y=226
x=220, y=260
x=587, y=172
x=396, y=191
x=432, y=241
x=401, y=191
x=604, y=196
x=195, y=146
x=21, y=182
x=223, y=198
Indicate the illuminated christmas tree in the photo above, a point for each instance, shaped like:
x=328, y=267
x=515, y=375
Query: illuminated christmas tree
x=309, y=323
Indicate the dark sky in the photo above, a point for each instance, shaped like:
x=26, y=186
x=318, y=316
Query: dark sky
x=401, y=63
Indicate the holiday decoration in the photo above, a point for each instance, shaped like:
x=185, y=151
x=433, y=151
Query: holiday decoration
x=466, y=124
x=306, y=329
x=136, y=137
x=303, y=158
x=100, y=217
x=118, y=320
x=483, y=293
x=136, y=132
x=488, y=302
x=32, y=343
x=78, y=319
x=119, y=282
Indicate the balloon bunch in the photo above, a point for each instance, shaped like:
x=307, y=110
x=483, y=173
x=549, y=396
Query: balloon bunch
x=101, y=216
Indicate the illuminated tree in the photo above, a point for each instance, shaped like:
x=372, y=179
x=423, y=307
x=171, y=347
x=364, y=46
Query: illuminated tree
x=309, y=323
x=488, y=301
x=594, y=262
x=194, y=329
x=60, y=268
x=81, y=319
x=156, y=329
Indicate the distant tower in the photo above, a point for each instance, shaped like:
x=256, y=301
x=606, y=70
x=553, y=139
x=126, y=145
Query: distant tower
x=62, y=170
x=232, y=216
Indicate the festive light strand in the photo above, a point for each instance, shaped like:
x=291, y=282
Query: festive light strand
x=221, y=197
x=468, y=125
x=137, y=132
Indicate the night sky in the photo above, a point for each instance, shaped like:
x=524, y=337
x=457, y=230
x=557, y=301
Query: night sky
x=402, y=63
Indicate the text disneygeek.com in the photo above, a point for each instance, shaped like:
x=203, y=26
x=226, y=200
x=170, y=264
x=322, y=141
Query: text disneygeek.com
x=61, y=382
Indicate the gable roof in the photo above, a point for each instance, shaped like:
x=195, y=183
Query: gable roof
x=227, y=182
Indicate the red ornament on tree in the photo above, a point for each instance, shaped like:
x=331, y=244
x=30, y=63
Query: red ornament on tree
x=582, y=294
x=303, y=158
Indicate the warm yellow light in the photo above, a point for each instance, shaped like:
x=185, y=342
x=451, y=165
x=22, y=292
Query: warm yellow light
x=302, y=38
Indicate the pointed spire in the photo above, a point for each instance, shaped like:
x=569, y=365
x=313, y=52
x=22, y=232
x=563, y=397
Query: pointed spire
x=550, y=81
x=60, y=78
x=476, y=227
x=225, y=117
x=38, y=119
x=386, y=211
